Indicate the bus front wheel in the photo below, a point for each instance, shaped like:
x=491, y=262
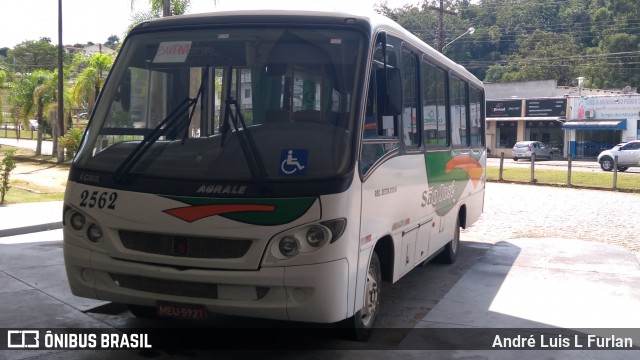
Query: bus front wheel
x=450, y=252
x=361, y=324
x=143, y=312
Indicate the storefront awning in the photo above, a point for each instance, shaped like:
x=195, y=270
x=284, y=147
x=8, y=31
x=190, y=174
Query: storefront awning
x=595, y=125
x=530, y=118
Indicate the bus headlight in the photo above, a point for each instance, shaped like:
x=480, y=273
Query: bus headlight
x=288, y=246
x=303, y=240
x=77, y=221
x=316, y=236
x=94, y=233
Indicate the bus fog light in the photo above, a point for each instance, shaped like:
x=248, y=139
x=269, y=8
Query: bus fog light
x=94, y=233
x=315, y=236
x=77, y=221
x=299, y=295
x=86, y=275
x=288, y=246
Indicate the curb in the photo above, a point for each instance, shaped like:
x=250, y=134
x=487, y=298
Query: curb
x=31, y=229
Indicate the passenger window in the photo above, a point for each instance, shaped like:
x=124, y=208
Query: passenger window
x=411, y=129
x=434, y=113
x=458, y=101
x=476, y=118
x=377, y=140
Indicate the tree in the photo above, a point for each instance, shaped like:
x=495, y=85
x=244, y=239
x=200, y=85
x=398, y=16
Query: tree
x=543, y=56
x=31, y=55
x=158, y=8
x=113, y=41
x=93, y=70
x=597, y=39
x=32, y=93
x=5, y=74
x=177, y=7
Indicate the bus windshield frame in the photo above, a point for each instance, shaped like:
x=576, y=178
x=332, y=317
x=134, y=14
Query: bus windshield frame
x=230, y=104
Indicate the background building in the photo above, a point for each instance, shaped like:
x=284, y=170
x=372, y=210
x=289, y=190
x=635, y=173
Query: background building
x=543, y=111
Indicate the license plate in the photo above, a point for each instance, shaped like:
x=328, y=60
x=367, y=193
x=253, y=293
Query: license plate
x=181, y=311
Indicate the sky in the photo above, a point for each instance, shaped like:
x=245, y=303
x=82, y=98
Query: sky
x=96, y=20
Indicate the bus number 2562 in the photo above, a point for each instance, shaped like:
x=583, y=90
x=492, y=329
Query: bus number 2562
x=98, y=199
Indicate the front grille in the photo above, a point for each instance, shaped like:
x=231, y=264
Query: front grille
x=173, y=287
x=184, y=246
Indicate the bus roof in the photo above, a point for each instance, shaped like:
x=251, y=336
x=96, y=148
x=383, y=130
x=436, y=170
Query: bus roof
x=366, y=19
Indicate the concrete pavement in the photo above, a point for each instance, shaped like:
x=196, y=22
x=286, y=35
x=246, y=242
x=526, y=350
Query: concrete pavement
x=18, y=219
x=47, y=145
x=531, y=286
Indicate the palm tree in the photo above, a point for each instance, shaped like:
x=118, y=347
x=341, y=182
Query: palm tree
x=94, y=69
x=31, y=95
x=4, y=78
x=167, y=7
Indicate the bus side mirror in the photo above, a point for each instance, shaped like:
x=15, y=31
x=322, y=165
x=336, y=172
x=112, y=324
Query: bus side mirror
x=124, y=91
x=389, y=91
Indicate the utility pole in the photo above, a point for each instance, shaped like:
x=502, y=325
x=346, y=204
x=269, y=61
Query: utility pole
x=441, y=10
x=60, y=119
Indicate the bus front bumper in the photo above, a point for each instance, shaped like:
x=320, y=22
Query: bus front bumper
x=310, y=293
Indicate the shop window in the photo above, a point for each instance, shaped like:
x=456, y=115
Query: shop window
x=506, y=134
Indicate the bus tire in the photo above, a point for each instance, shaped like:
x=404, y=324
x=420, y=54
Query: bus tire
x=361, y=324
x=450, y=252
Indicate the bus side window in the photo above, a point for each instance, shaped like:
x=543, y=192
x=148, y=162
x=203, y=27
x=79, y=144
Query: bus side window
x=373, y=146
x=476, y=111
x=458, y=101
x=411, y=129
x=434, y=117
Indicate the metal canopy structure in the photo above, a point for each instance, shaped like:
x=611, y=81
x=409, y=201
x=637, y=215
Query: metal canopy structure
x=595, y=125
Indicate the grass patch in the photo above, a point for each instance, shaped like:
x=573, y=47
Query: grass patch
x=24, y=134
x=39, y=188
x=17, y=195
x=602, y=180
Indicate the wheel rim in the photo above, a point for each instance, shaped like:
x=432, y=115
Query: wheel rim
x=606, y=164
x=370, y=298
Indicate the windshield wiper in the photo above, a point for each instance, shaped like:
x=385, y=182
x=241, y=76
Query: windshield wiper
x=144, y=145
x=247, y=144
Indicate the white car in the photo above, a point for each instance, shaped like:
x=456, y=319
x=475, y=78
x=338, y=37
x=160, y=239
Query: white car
x=628, y=155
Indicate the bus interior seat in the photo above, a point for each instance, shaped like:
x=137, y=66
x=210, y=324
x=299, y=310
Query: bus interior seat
x=277, y=116
x=308, y=116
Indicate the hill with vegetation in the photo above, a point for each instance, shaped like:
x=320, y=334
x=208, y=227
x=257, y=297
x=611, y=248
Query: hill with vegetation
x=521, y=40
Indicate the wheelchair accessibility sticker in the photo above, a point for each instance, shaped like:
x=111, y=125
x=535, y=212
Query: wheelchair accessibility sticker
x=293, y=161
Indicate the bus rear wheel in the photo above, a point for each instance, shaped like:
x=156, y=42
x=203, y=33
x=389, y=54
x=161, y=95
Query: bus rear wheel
x=361, y=324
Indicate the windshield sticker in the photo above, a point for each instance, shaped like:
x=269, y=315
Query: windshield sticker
x=293, y=162
x=172, y=52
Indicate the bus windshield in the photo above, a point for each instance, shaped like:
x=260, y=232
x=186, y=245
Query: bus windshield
x=252, y=104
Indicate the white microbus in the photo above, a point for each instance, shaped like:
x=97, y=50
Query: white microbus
x=272, y=164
